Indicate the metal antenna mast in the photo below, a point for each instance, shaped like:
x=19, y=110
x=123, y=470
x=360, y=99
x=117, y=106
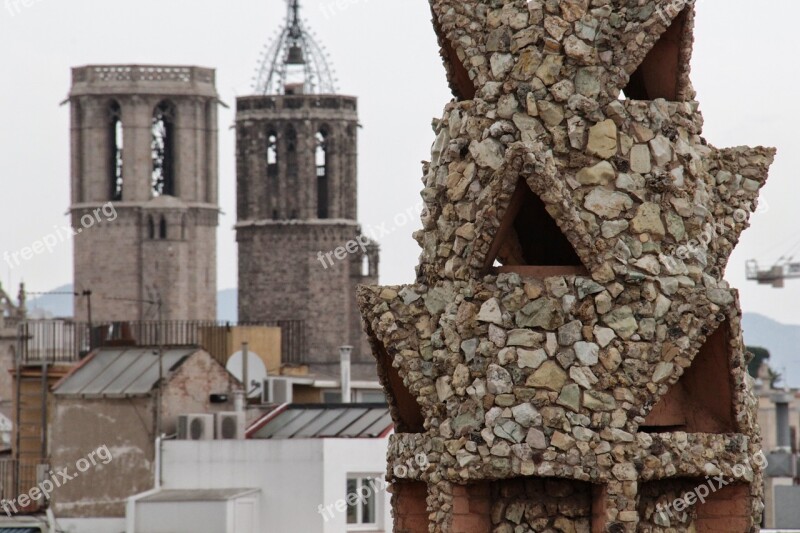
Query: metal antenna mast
x=294, y=62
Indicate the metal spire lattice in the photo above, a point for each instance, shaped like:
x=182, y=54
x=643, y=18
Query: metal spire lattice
x=294, y=61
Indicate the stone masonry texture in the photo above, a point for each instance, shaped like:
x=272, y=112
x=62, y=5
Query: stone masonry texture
x=585, y=372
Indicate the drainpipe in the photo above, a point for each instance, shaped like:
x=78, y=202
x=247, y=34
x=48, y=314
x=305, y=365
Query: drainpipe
x=344, y=355
x=158, y=463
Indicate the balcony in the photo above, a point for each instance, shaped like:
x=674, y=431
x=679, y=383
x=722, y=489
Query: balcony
x=55, y=342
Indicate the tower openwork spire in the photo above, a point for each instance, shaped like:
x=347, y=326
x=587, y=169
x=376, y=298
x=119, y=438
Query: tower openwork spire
x=294, y=62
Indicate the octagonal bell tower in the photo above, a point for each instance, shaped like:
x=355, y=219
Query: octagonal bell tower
x=144, y=191
x=301, y=251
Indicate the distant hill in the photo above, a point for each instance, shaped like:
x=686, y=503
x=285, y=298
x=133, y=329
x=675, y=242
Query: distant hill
x=58, y=305
x=228, y=305
x=782, y=341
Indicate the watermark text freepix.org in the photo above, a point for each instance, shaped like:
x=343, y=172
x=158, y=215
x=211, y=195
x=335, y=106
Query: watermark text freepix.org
x=15, y=6
x=330, y=7
x=709, y=487
x=57, y=478
x=369, y=234
x=376, y=486
x=106, y=213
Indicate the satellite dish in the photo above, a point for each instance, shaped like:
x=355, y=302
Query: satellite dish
x=256, y=371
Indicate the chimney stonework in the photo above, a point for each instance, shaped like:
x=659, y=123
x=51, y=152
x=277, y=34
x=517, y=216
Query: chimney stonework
x=570, y=357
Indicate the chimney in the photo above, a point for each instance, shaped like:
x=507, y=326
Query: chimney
x=239, y=401
x=344, y=354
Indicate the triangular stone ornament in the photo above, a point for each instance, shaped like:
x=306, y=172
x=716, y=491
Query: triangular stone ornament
x=408, y=415
x=659, y=74
x=529, y=241
x=702, y=400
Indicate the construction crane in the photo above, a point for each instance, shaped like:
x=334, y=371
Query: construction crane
x=774, y=275
x=784, y=268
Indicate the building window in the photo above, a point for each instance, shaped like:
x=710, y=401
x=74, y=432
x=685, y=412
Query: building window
x=163, y=150
x=115, y=150
x=151, y=227
x=362, y=502
x=162, y=228
x=322, y=174
x=332, y=396
x=370, y=396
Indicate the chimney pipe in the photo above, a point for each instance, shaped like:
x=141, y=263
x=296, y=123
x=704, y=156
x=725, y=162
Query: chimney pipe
x=245, y=377
x=344, y=355
x=239, y=401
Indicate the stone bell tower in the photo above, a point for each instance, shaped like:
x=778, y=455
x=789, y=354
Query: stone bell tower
x=301, y=252
x=144, y=191
x=570, y=357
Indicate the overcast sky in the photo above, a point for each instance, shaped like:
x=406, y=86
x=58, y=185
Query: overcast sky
x=745, y=69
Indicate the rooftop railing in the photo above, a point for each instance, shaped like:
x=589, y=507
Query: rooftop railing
x=65, y=341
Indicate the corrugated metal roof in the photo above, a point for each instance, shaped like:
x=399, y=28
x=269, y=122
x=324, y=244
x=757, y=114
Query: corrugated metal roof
x=20, y=529
x=366, y=420
x=196, y=495
x=120, y=372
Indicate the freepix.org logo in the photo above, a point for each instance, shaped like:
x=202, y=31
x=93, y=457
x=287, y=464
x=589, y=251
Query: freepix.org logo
x=15, y=7
x=55, y=479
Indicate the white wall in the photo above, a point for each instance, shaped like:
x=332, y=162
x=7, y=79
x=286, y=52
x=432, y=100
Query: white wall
x=91, y=525
x=354, y=456
x=198, y=517
x=296, y=476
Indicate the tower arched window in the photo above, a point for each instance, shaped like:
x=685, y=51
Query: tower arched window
x=272, y=172
x=163, y=149
x=115, y=141
x=272, y=154
x=291, y=152
x=183, y=227
x=162, y=228
x=321, y=159
x=151, y=227
x=289, y=204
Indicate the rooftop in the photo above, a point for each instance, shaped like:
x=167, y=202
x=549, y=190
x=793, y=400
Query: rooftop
x=197, y=495
x=143, y=79
x=120, y=371
x=365, y=420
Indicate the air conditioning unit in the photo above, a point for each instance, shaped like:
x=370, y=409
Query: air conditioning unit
x=230, y=425
x=276, y=390
x=196, y=427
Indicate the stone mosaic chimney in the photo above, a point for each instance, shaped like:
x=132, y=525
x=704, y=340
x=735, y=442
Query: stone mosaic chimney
x=570, y=358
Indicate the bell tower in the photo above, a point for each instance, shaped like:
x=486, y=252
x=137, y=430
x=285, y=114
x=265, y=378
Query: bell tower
x=144, y=191
x=296, y=149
